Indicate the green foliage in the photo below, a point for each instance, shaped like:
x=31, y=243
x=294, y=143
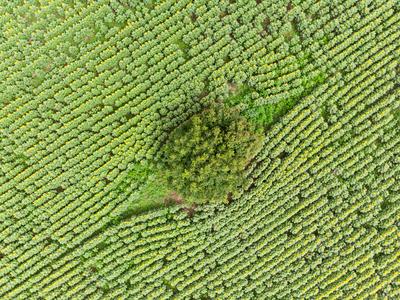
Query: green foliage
x=204, y=158
x=239, y=95
x=152, y=192
x=183, y=47
x=89, y=89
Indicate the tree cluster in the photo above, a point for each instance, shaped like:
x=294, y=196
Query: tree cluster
x=205, y=157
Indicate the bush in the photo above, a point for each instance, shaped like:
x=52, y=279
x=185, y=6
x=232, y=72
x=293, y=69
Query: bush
x=205, y=157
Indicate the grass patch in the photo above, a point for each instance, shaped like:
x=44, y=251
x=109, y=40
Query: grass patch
x=183, y=47
x=152, y=189
x=268, y=114
x=238, y=94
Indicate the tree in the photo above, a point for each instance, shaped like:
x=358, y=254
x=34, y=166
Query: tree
x=204, y=158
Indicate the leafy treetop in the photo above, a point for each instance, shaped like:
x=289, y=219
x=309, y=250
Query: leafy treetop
x=205, y=157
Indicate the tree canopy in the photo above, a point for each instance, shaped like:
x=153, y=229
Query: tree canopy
x=205, y=157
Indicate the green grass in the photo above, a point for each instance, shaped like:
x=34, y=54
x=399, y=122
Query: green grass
x=268, y=114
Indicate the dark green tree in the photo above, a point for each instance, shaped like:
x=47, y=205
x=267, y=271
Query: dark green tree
x=205, y=157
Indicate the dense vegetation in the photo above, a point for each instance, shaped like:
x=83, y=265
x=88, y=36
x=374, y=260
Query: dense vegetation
x=204, y=158
x=92, y=91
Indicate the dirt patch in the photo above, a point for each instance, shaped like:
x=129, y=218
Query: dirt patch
x=266, y=23
x=190, y=210
x=93, y=269
x=59, y=189
x=229, y=197
x=232, y=87
x=173, y=198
